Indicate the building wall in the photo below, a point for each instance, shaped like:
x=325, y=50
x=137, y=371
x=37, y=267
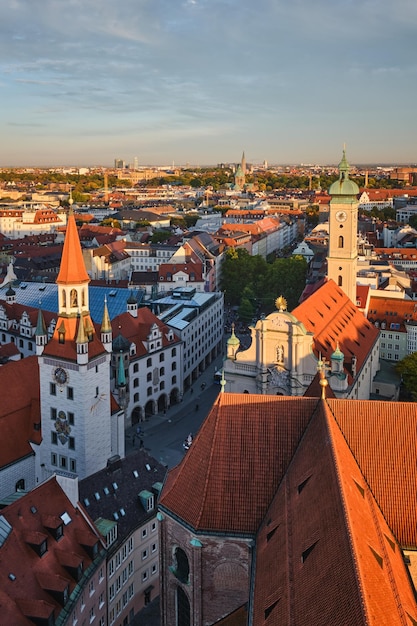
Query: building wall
x=91, y=606
x=219, y=570
x=87, y=413
x=202, y=337
x=24, y=470
x=133, y=573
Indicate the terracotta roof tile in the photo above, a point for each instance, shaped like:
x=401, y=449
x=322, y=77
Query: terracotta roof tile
x=35, y=578
x=332, y=317
x=232, y=445
x=324, y=519
x=19, y=409
x=382, y=437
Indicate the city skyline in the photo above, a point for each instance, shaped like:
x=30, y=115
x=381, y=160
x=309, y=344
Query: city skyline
x=198, y=82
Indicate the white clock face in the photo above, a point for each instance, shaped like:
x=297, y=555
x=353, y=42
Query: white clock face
x=341, y=216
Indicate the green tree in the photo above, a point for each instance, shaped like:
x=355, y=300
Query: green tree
x=287, y=278
x=246, y=310
x=236, y=274
x=413, y=221
x=407, y=368
x=160, y=236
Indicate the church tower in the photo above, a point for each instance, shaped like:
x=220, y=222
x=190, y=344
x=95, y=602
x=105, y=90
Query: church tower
x=74, y=378
x=343, y=228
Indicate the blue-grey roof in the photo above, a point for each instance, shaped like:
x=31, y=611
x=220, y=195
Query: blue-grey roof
x=45, y=296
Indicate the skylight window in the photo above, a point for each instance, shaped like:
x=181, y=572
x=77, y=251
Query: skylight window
x=86, y=502
x=66, y=518
x=116, y=516
x=106, y=491
x=136, y=473
x=97, y=495
x=115, y=486
x=122, y=512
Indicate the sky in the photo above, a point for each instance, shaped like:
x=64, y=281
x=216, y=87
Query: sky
x=83, y=82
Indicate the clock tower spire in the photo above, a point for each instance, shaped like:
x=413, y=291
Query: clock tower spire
x=343, y=225
x=77, y=431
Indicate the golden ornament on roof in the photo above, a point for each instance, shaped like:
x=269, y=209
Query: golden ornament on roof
x=281, y=303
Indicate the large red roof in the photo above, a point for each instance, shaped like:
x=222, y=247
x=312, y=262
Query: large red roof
x=327, y=487
x=28, y=581
x=19, y=409
x=332, y=318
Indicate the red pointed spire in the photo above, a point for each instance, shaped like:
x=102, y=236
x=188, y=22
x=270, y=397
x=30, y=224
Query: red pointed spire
x=72, y=269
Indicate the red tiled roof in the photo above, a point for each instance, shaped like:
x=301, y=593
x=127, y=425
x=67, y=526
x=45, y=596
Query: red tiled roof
x=392, y=311
x=328, y=488
x=137, y=329
x=19, y=409
x=382, y=437
x=36, y=578
x=331, y=537
x=9, y=350
x=207, y=490
x=332, y=317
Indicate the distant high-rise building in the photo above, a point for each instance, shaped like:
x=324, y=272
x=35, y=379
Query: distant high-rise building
x=119, y=164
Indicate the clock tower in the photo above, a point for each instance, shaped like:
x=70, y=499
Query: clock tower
x=343, y=226
x=78, y=433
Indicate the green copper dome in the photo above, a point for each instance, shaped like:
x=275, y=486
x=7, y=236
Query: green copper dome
x=337, y=354
x=344, y=186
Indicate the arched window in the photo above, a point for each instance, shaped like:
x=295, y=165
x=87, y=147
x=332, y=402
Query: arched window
x=83, y=297
x=341, y=242
x=136, y=382
x=20, y=485
x=73, y=297
x=340, y=281
x=181, y=566
x=136, y=397
x=135, y=368
x=183, y=608
x=64, y=298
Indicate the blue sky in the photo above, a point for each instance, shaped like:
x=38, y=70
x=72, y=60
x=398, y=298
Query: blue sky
x=198, y=81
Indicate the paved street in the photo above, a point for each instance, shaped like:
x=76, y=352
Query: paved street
x=164, y=434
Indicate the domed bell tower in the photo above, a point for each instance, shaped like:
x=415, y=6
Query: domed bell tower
x=343, y=226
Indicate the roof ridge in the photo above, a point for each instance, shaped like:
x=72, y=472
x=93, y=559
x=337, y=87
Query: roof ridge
x=374, y=509
x=210, y=460
x=329, y=415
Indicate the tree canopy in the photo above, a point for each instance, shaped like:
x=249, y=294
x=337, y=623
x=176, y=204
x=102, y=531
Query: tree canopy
x=250, y=279
x=407, y=368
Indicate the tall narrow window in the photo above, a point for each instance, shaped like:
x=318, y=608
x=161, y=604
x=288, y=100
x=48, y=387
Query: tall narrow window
x=340, y=281
x=341, y=241
x=183, y=608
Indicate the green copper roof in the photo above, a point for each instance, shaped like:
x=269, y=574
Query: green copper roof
x=337, y=354
x=40, y=325
x=344, y=186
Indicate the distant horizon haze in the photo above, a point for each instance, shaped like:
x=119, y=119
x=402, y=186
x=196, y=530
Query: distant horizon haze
x=193, y=81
